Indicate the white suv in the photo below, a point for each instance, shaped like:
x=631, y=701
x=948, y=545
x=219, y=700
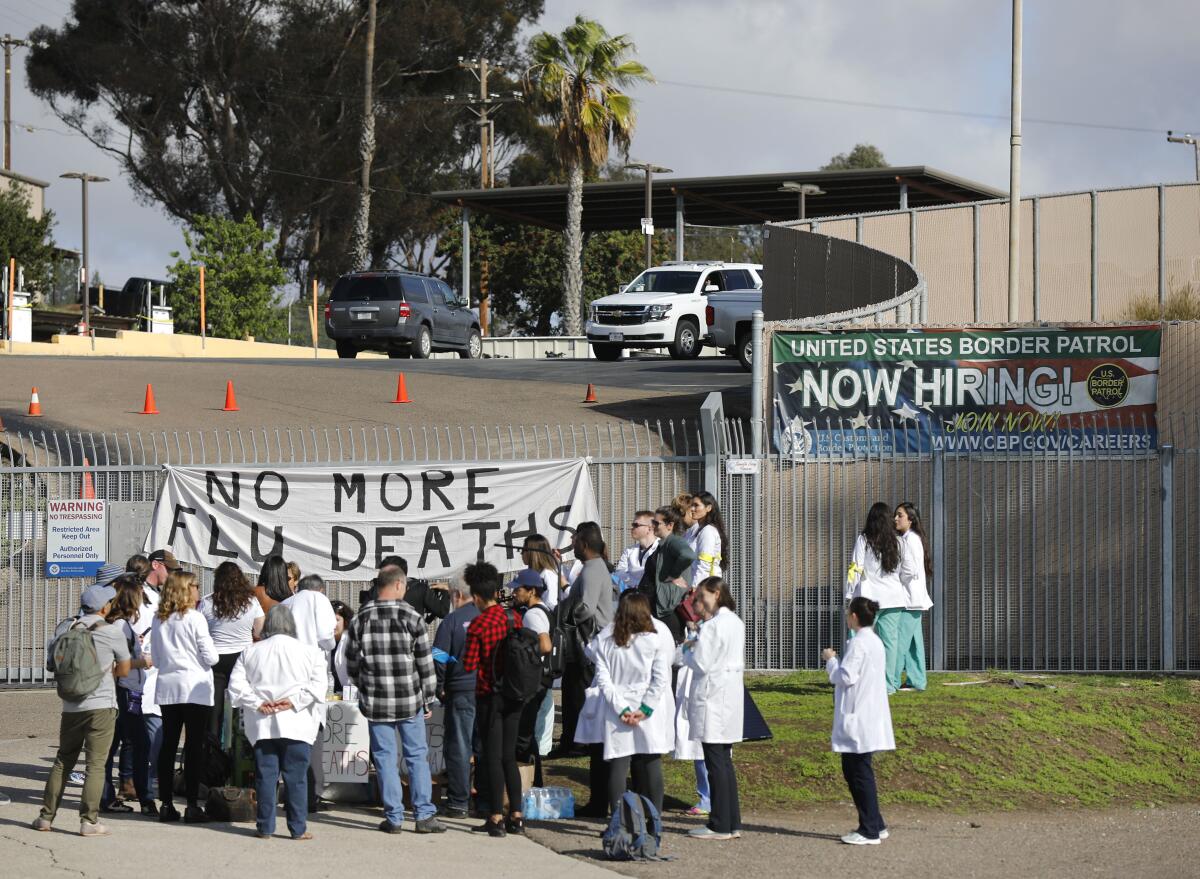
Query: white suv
x=663, y=307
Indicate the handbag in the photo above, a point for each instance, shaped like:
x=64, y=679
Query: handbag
x=686, y=610
x=234, y=804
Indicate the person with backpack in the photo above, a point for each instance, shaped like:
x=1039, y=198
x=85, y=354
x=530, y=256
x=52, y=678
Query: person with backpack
x=633, y=675
x=535, y=734
x=862, y=720
x=456, y=692
x=715, y=702
x=184, y=653
x=494, y=642
x=86, y=655
x=390, y=659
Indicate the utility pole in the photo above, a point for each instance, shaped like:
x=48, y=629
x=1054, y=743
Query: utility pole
x=482, y=107
x=9, y=41
x=361, y=239
x=648, y=218
x=1014, y=174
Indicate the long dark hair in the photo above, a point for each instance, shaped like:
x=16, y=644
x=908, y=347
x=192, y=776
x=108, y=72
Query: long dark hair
x=714, y=518
x=232, y=592
x=918, y=528
x=880, y=532
x=128, y=603
x=632, y=617
x=669, y=515
x=274, y=579
x=589, y=535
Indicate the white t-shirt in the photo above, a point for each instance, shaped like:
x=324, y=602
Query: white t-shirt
x=236, y=634
x=537, y=620
x=550, y=596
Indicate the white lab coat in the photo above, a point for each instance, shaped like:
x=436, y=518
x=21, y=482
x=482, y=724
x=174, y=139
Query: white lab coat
x=281, y=667
x=315, y=619
x=629, y=677
x=862, y=721
x=706, y=542
x=870, y=580
x=630, y=567
x=686, y=748
x=184, y=654
x=913, y=573
x=715, y=701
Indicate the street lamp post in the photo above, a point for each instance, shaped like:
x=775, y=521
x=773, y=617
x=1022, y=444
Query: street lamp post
x=803, y=190
x=85, y=179
x=1189, y=139
x=648, y=219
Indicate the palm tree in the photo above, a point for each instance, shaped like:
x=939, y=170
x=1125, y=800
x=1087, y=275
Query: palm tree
x=579, y=74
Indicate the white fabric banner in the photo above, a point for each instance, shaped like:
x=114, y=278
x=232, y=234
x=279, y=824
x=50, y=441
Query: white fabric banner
x=339, y=521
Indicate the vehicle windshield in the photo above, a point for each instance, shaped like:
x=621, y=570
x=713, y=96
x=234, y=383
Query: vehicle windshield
x=664, y=281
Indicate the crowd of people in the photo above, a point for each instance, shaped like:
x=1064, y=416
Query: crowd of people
x=648, y=653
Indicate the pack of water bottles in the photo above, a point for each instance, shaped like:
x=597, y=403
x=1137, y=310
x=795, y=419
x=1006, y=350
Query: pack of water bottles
x=548, y=804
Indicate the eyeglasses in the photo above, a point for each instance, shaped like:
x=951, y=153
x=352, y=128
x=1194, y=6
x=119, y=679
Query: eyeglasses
x=640, y=524
x=656, y=523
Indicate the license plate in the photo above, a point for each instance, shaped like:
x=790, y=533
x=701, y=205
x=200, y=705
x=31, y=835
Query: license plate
x=616, y=337
x=362, y=315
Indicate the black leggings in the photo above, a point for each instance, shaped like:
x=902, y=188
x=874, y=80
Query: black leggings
x=647, y=778
x=191, y=719
x=498, y=726
x=221, y=673
x=726, y=812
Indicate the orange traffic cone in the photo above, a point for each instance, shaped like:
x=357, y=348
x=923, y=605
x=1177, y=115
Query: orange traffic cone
x=401, y=391
x=591, y=394
x=230, y=399
x=88, y=490
x=149, y=408
x=35, y=405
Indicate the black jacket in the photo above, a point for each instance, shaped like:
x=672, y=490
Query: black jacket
x=451, y=637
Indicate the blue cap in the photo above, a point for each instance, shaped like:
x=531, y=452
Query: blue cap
x=95, y=597
x=528, y=579
x=108, y=572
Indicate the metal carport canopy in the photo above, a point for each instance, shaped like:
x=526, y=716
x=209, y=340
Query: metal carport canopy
x=726, y=201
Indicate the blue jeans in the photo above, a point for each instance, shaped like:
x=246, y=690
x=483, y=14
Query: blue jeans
x=131, y=732
x=153, y=726
x=387, y=740
x=271, y=757
x=702, y=788
x=458, y=747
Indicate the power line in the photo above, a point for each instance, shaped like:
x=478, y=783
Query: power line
x=908, y=108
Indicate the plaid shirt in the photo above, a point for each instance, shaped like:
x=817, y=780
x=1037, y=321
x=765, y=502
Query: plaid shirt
x=390, y=660
x=483, y=637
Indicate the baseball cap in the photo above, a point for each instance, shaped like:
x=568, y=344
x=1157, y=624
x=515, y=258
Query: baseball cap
x=108, y=572
x=528, y=579
x=96, y=596
x=167, y=558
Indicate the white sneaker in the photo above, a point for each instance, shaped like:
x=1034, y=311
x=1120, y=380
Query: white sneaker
x=707, y=833
x=87, y=828
x=883, y=834
x=857, y=838
x=75, y=778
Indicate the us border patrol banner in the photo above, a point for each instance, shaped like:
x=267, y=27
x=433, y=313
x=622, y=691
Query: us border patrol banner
x=339, y=521
x=981, y=390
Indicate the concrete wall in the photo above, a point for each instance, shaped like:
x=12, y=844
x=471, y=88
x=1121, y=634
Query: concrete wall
x=34, y=190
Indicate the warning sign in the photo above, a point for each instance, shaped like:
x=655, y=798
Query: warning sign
x=76, y=537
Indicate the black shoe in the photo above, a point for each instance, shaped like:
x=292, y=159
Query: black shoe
x=388, y=827
x=168, y=814
x=430, y=825
x=591, y=810
x=456, y=813
x=491, y=829
x=515, y=825
x=116, y=806
x=149, y=809
x=195, y=815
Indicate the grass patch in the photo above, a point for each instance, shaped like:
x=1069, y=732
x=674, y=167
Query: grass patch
x=1182, y=303
x=1084, y=741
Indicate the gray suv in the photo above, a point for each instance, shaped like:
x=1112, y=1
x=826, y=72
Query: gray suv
x=401, y=313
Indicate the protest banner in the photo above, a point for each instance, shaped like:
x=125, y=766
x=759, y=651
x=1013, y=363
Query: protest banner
x=340, y=520
x=1055, y=389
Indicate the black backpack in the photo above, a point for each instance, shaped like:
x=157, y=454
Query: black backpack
x=517, y=664
x=552, y=662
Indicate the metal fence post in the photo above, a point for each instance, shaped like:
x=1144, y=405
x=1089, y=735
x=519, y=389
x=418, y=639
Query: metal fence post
x=712, y=416
x=937, y=619
x=1162, y=244
x=757, y=367
x=1037, y=259
x=1167, y=636
x=1095, y=264
x=976, y=291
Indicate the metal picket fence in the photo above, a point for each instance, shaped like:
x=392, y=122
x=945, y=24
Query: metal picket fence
x=632, y=466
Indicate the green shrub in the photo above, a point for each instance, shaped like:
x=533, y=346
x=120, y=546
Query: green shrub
x=1183, y=303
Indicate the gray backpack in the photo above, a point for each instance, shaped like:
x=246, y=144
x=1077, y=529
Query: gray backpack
x=77, y=670
x=634, y=830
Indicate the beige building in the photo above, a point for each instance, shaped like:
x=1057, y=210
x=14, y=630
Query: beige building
x=35, y=189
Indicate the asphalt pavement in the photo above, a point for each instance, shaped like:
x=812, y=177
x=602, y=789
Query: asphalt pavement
x=107, y=394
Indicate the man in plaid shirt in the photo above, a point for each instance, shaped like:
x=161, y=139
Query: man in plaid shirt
x=390, y=660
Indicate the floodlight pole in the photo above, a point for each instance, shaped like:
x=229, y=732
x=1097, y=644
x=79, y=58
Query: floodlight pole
x=1014, y=174
x=1190, y=139
x=85, y=179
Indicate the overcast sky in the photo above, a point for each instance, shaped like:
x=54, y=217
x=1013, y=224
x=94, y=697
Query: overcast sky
x=1089, y=61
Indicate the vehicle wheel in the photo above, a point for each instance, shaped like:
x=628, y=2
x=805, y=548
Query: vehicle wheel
x=474, y=349
x=687, y=341
x=607, y=352
x=399, y=353
x=423, y=346
x=346, y=351
x=745, y=350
